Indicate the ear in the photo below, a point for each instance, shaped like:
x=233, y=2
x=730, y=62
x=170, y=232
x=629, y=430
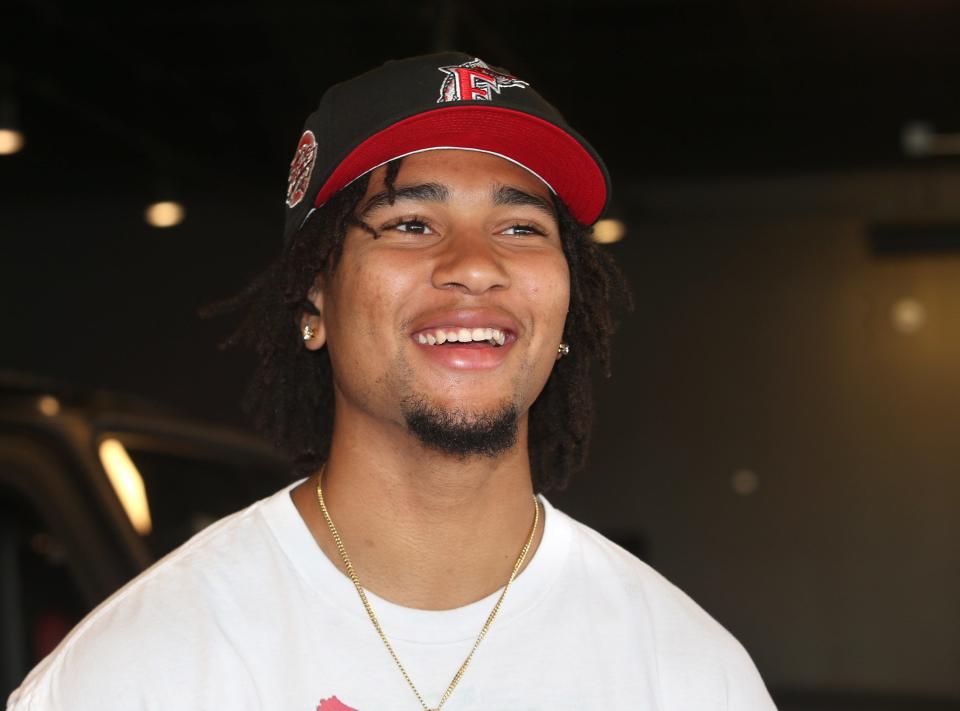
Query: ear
x=315, y=321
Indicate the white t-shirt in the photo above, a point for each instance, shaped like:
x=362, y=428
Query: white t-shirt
x=250, y=614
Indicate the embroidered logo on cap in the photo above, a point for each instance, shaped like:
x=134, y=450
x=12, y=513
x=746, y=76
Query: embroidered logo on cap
x=301, y=168
x=474, y=81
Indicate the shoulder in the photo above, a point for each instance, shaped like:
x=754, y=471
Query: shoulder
x=154, y=627
x=628, y=582
x=698, y=661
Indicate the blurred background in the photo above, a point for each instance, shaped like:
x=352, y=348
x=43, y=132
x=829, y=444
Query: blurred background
x=781, y=434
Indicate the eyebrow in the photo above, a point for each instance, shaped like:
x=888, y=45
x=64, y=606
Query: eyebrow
x=437, y=192
x=424, y=192
x=508, y=195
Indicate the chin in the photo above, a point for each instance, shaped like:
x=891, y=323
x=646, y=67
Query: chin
x=462, y=432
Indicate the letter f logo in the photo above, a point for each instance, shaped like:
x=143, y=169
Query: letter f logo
x=474, y=81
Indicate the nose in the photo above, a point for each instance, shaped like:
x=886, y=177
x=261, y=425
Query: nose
x=470, y=263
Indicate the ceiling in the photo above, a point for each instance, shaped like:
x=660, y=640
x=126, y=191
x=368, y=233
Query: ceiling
x=124, y=99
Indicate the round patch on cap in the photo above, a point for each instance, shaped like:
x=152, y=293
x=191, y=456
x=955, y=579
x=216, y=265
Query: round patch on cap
x=301, y=168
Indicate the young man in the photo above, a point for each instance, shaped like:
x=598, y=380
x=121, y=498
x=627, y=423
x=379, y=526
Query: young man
x=425, y=341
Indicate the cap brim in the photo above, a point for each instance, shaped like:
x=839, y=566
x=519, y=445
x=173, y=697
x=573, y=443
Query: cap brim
x=546, y=150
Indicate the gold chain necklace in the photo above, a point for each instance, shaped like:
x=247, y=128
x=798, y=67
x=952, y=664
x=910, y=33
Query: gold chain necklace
x=376, y=623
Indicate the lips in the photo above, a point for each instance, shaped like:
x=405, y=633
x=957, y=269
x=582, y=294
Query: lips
x=482, y=338
x=466, y=318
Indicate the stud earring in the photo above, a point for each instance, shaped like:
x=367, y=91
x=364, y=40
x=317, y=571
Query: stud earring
x=307, y=332
x=562, y=350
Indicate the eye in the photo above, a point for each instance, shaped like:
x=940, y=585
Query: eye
x=523, y=229
x=410, y=225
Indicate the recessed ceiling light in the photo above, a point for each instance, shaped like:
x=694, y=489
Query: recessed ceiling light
x=165, y=214
x=608, y=231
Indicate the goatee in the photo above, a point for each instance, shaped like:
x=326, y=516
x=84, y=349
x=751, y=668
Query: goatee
x=460, y=432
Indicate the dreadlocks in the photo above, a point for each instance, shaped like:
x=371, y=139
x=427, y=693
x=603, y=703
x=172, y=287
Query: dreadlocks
x=291, y=393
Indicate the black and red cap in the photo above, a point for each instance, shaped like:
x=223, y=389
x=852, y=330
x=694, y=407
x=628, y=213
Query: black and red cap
x=448, y=100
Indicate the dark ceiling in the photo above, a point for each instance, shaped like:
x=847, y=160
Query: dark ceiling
x=193, y=95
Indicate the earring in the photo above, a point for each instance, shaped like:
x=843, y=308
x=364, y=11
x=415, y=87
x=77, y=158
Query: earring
x=562, y=350
x=307, y=332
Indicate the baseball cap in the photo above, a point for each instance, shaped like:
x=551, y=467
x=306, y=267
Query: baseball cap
x=446, y=100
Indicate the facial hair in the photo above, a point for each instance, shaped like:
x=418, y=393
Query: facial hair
x=461, y=433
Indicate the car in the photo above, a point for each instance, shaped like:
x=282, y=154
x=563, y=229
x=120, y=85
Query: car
x=94, y=488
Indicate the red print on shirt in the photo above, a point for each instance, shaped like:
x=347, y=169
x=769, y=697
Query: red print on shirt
x=333, y=704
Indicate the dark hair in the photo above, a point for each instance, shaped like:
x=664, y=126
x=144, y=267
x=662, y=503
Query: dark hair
x=291, y=395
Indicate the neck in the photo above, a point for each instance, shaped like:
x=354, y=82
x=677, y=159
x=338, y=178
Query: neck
x=422, y=529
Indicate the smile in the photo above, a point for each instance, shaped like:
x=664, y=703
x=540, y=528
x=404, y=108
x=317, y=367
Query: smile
x=438, y=336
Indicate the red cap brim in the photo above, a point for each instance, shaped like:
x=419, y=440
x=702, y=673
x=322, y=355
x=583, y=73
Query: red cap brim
x=543, y=148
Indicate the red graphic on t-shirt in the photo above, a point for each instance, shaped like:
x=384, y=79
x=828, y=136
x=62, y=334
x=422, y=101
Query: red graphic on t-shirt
x=333, y=704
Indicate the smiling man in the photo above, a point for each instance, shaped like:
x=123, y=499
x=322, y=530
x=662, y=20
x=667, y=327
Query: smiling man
x=425, y=341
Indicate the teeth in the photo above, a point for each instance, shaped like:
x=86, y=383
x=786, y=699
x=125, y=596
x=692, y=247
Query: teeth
x=493, y=336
